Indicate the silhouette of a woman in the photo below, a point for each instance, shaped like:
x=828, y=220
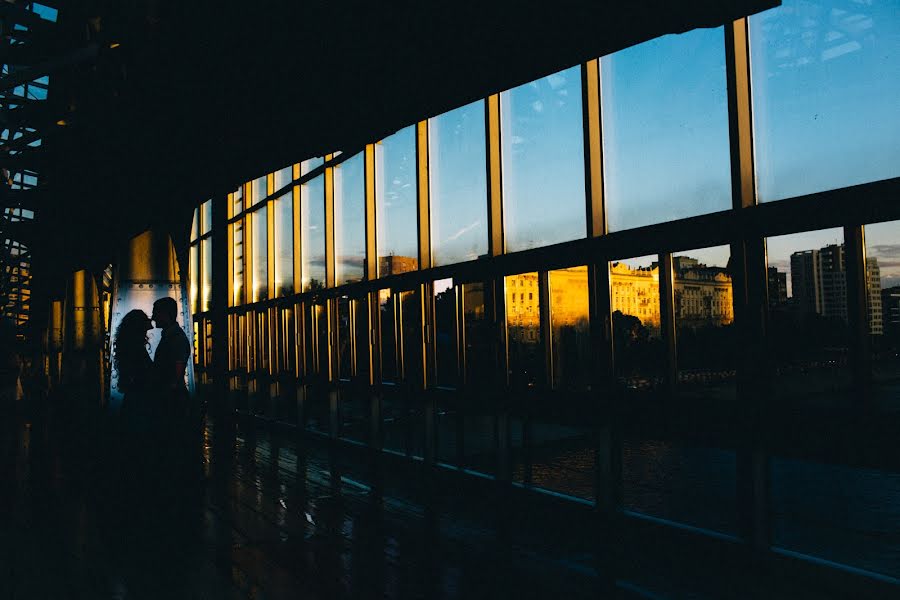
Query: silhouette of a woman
x=131, y=359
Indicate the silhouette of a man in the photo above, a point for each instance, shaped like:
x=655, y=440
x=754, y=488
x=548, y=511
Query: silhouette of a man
x=172, y=353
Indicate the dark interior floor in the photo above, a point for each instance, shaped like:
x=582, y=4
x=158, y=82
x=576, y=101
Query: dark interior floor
x=255, y=513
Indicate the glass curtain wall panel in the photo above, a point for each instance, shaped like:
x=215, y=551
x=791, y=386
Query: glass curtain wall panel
x=638, y=348
x=841, y=513
x=283, y=177
x=350, y=219
x=288, y=399
x=194, y=276
x=825, y=78
x=396, y=219
x=206, y=274
x=809, y=336
x=446, y=336
x=387, y=319
x=665, y=130
x=476, y=401
x=206, y=217
x=362, y=344
x=883, y=311
x=457, y=168
x=542, y=153
x=260, y=257
x=707, y=348
x=195, y=224
x=526, y=362
x=355, y=396
x=679, y=482
x=237, y=201
x=312, y=233
x=284, y=244
x=413, y=364
x=562, y=444
x=393, y=401
x=318, y=415
x=258, y=190
x=307, y=166
x=344, y=339
x=237, y=283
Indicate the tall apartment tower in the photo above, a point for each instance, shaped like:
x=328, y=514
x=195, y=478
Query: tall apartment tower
x=777, y=287
x=806, y=287
x=873, y=297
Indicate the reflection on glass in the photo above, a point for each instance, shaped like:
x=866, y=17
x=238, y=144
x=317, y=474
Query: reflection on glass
x=311, y=164
x=445, y=332
x=260, y=270
x=413, y=365
x=258, y=189
x=195, y=224
x=284, y=244
x=809, y=337
x=237, y=199
x=395, y=203
x=284, y=177
x=345, y=343
x=206, y=217
x=692, y=485
x=479, y=422
x=237, y=283
x=825, y=86
x=206, y=275
x=193, y=276
x=388, y=336
x=665, y=129
x=317, y=404
x=543, y=161
x=569, y=328
x=458, y=180
x=350, y=219
x=846, y=514
x=704, y=313
x=883, y=306
x=523, y=330
x=637, y=346
x=312, y=236
x=361, y=332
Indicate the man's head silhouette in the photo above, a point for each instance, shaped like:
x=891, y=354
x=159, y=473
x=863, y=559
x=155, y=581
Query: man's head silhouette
x=165, y=312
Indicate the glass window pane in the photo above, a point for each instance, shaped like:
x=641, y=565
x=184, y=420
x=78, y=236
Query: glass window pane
x=258, y=190
x=237, y=283
x=284, y=244
x=361, y=328
x=345, y=343
x=809, y=336
x=457, y=169
x=638, y=348
x=704, y=317
x=569, y=323
x=195, y=225
x=543, y=161
x=388, y=336
x=312, y=236
x=206, y=217
x=350, y=219
x=826, y=79
x=523, y=330
x=395, y=203
x=445, y=332
x=237, y=199
x=665, y=130
x=206, y=275
x=413, y=365
x=260, y=271
x=284, y=177
x=311, y=164
x=193, y=276
x=479, y=421
x=883, y=304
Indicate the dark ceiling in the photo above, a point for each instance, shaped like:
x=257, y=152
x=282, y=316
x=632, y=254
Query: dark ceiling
x=169, y=102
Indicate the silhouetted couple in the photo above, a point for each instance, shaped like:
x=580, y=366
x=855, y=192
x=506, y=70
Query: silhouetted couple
x=156, y=408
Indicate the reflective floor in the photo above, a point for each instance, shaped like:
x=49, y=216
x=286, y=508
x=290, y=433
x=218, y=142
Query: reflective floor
x=252, y=513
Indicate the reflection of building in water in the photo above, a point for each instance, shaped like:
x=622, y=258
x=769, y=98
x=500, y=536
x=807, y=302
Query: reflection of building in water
x=703, y=295
x=635, y=292
x=777, y=287
x=819, y=284
x=393, y=265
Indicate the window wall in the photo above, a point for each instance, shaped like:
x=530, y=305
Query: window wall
x=686, y=351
